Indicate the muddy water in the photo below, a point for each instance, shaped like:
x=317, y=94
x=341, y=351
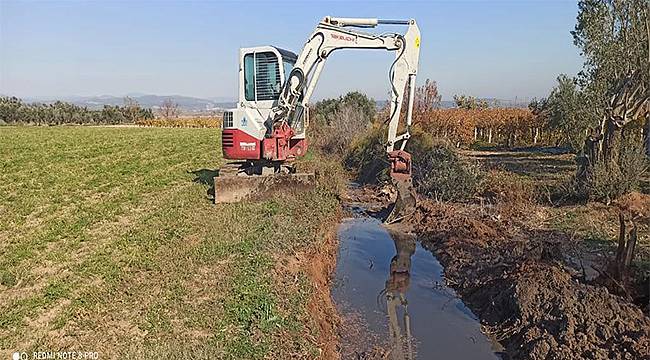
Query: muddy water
x=392, y=298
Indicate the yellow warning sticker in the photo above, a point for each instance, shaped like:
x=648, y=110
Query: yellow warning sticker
x=417, y=41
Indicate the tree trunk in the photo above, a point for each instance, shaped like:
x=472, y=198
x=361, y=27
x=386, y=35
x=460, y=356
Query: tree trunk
x=625, y=250
x=610, y=140
x=646, y=135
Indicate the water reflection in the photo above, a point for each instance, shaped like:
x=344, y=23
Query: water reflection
x=394, y=293
x=391, y=293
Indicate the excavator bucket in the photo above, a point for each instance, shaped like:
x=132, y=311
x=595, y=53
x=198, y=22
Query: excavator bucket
x=400, y=173
x=235, y=188
x=405, y=203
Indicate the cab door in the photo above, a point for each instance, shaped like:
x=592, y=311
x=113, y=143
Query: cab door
x=261, y=77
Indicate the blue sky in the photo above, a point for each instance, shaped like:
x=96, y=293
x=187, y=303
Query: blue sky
x=503, y=49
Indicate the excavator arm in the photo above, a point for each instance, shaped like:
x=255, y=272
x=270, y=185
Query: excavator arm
x=336, y=33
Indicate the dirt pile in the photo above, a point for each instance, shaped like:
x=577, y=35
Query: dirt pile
x=517, y=283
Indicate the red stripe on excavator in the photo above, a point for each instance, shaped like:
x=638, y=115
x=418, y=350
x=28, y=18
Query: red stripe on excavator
x=238, y=145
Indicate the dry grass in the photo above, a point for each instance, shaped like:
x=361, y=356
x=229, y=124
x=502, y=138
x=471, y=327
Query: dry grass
x=521, y=184
x=183, y=122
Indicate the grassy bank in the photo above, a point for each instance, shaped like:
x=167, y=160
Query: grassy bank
x=108, y=243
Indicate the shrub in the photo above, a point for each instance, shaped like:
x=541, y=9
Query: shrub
x=336, y=123
x=325, y=111
x=609, y=180
x=367, y=157
x=439, y=172
x=345, y=124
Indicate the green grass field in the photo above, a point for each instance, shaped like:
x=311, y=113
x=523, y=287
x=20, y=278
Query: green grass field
x=108, y=243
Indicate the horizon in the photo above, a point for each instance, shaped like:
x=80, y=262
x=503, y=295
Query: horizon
x=214, y=98
x=507, y=50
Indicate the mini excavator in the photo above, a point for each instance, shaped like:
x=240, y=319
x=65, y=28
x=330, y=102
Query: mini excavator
x=266, y=132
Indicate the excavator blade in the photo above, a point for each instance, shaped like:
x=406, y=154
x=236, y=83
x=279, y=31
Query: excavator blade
x=234, y=188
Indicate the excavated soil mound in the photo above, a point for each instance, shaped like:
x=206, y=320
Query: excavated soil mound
x=517, y=284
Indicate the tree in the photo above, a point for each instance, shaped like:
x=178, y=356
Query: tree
x=564, y=112
x=325, y=111
x=614, y=38
x=11, y=109
x=427, y=97
x=337, y=122
x=131, y=108
x=470, y=102
x=133, y=112
x=169, y=109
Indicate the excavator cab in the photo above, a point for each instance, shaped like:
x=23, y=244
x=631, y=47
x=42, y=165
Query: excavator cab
x=262, y=72
x=253, y=147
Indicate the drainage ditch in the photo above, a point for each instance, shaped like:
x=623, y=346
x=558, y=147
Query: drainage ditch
x=393, y=300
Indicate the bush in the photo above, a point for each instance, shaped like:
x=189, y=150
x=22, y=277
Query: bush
x=336, y=123
x=609, y=180
x=438, y=171
x=367, y=157
x=346, y=123
x=325, y=112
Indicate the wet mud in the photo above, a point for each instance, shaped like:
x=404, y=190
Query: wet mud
x=519, y=283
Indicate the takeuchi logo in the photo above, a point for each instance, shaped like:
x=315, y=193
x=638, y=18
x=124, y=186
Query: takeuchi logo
x=343, y=37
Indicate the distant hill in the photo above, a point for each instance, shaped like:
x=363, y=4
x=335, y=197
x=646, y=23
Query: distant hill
x=185, y=103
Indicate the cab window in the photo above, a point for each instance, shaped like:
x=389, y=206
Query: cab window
x=287, y=66
x=249, y=77
x=267, y=76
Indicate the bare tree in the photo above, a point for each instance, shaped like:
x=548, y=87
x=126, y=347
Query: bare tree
x=426, y=98
x=131, y=108
x=169, y=109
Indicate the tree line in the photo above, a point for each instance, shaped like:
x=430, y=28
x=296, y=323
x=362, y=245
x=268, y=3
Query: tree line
x=15, y=111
